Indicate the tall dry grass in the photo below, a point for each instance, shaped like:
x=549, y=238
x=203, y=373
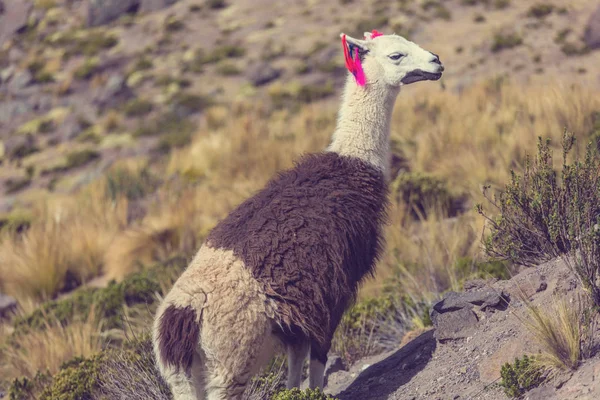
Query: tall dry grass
x=469, y=139
x=476, y=137
x=48, y=349
x=63, y=247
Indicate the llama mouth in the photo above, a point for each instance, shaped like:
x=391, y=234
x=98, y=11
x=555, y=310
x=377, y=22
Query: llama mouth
x=420, y=75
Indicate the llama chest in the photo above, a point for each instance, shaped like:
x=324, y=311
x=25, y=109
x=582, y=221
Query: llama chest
x=310, y=235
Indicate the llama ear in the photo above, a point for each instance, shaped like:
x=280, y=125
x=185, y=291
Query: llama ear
x=352, y=43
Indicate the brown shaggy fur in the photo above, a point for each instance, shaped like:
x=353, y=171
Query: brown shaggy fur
x=178, y=337
x=310, y=236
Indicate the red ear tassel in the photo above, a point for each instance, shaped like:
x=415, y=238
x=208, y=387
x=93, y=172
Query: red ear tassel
x=374, y=34
x=353, y=63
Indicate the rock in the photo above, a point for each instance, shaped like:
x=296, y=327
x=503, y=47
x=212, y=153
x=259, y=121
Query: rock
x=19, y=81
x=592, y=31
x=262, y=74
x=101, y=12
x=12, y=109
x=457, y=313
x=454, y=325
x=155, y=5
x=115, y=92
x=6, y=74
x=7, y=305
x=454, y=301
x=14, y=17
x=334, y=364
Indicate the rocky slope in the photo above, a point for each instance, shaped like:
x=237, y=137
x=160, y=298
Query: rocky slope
x=475, y=333
x=86, y=82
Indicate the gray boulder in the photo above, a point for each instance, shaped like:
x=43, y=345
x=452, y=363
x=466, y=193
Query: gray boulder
x=155, y=5
x=100, y=12
x=262, y=74
x=13, y=17
x=456, y=315
x=592, y=31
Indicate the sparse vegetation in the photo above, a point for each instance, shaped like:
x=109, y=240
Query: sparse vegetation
x=521, y=376
x=306, y=394
x=138, y=108
x=504, y=41
x=544, y=215
x=540, y=10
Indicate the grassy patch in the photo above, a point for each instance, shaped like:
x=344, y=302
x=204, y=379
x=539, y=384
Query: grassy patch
x=89, y=67
x=306, y=394
x=14, y=185
x=228, y=69
x=502, y=41
x=173, y=24
x=87, y=42
x=540, y=10
x=138, y=108
x=423, y=193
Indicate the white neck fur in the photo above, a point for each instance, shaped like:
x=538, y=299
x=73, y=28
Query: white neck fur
x=363, y=127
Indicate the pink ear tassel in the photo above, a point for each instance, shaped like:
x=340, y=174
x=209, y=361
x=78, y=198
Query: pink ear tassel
x=374, y=34
x=359, y=74
x=353, y=63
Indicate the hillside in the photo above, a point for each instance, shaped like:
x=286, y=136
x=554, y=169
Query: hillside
x=128, y=128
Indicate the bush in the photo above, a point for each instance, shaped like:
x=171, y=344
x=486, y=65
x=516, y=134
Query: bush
x=107, y=302
x=520, y=377
x=540, y=10
x=138, y=108
x=297, y=394
x=423, y=193
x=543, y=216
x=505, y=41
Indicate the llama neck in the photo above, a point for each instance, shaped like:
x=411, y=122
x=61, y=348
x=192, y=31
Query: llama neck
x=363, y=127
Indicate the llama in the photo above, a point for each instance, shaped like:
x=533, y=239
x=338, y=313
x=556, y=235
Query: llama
x=282, y=267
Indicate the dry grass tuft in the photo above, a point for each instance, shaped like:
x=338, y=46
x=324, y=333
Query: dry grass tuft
x=564, y=331
x=48, y=349
x=63, y=247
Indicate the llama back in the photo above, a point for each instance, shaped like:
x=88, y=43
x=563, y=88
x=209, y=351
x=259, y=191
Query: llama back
x=309, y=237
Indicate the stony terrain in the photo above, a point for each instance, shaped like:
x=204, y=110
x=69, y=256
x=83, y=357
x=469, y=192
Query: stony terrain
x=476, y=332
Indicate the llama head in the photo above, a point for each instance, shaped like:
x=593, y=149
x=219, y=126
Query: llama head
x=389, y=58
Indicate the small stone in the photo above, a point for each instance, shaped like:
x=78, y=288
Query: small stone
x=14, y=17
x=7, y=305
x=592, y=31
x=20, y=81
x=155, y=5
x=262, y=74
x=6, y=74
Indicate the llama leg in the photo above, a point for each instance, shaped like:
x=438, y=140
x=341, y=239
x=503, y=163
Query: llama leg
x=296, y=354
x=316, y=373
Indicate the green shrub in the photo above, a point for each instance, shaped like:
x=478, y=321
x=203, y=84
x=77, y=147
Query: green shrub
x=13, y=185
x=503, y=41
x=107, y=303
x=297, y=394
x=173, y=24
x=138, y=108
x=216, y=4
x=133, y=185
x=28, y=389
x=540, y=10
x=374, y=325
x=423, y=193
x=88, y=68
x=467, y=268
x=519, y=377
x=228, y=69
x=544, y=215
x=573, y=49
x=80, y=158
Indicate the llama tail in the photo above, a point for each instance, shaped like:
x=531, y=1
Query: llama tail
x=176, y=337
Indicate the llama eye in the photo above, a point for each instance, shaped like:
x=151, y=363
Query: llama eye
x=396, y=56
